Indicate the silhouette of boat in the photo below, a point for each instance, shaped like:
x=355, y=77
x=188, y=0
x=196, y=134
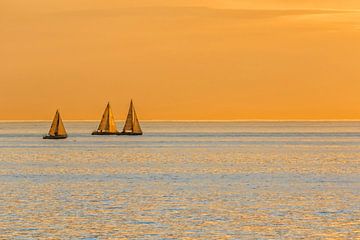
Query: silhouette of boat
x=107, y=124
x=132, y=125
x=57, y=129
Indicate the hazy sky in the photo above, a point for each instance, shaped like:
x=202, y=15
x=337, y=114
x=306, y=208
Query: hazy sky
x=180, y=59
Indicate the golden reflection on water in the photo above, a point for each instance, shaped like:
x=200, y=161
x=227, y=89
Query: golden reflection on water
x=205, y=190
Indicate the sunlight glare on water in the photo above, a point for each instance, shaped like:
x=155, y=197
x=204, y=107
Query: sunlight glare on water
x=182, y=180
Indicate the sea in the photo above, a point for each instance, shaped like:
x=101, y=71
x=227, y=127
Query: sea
x=182, y=180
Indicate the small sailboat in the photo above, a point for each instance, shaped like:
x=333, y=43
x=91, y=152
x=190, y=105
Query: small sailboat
x=107, y=125
x=57, y=129
x=132, y=125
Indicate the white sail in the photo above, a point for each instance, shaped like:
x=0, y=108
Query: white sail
x=132, y=124
x=61, y=128
x=128, y=127
x=57, y=126
x=54, y=124
x=104, y=120
x=136, y=125
x=107, y=123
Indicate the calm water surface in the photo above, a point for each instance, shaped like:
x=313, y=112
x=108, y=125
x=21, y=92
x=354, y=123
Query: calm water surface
x=182, y=180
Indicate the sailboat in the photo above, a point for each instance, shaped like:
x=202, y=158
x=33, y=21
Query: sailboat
x=57, y=129
x=132, y=125
x=107, y=125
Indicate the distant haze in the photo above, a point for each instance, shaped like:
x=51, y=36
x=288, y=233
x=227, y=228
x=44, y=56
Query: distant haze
x=180, y=59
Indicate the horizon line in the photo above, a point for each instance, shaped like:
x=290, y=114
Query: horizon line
x=192, y=120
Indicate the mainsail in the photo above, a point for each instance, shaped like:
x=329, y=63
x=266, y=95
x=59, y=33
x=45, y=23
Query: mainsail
x=57, y=127
x=132, y=124
x=107, y=123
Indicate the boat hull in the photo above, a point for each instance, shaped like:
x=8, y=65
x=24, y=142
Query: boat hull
x=130, y=134
x=55, y=137
x=105, y=133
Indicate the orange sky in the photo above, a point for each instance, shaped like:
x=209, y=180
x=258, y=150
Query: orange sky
x=180, y=59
